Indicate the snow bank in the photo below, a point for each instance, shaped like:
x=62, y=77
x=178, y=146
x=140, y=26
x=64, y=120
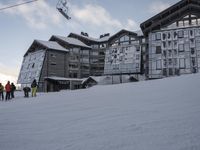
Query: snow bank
x=150, y=115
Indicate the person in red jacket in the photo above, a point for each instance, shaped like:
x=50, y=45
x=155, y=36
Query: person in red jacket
x=8, y=90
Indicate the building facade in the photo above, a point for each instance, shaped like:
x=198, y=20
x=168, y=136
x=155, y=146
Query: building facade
x=79, y=56
x=43, y=59
x=123, y=54
x=97, y=52
x=167, y=45
x=173, y=40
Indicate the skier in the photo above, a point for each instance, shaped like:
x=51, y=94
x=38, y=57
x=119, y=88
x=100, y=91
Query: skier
x=1, y=92
x=8, y=90
x=34, y=88
x=13, y=88
x=26, y=91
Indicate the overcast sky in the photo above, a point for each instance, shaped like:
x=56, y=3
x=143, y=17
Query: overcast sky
x=39, y=20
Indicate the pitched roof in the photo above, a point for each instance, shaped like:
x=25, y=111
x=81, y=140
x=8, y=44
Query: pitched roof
x=103, y=39
x=63, y=79
x=121, y=32
x=71, y=41
x=171, y=15
x=106, y=38
x=51, y=45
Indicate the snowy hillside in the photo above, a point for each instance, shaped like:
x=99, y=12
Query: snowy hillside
x=150, y=115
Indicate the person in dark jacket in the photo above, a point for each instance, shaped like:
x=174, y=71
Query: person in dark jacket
x=1, y=92
x=26, y=91
x=8, y=90
x=34, y=88
x=13, y=88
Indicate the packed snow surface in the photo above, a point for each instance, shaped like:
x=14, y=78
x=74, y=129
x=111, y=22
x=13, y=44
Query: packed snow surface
x=149, y=115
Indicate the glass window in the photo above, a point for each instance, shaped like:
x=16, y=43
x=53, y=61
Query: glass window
x=191, y=33
x=153, y=37
x=124, y=38
x=164, y=36
x=186, y=23
x=33, y=65
x=180, y=34
x=137, y=57
x=182, y=63
x=192, y=51
x=53, y=63
x=175, y=35
x=158, y=49
x=137, y=65
x=170, y=62
x=175, y=61
x=158, y=36
x=181, y=47
x=158, y=64
x=169, y=35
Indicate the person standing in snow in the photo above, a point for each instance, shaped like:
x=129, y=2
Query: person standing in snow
x=1, y=92
x=34, y=88
x=13, y=88
x=26, y=91
x=8, y=90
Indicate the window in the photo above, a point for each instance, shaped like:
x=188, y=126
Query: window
x=158, y=65
x=192, y=51
x=169, y=35
x=175, y=52
x=180, y=34
x=164, y=72
x=170, y=62
x=175, y=35
x=158, y=36
x=193, y=61
x=175, y=44
x=191, y=33
x=53, y=64
x=137, y=65
x=175, y=61
x=33, y=65
x=153, y=37
x=186, y=23
x=164, y=44
x=53, y=55
x=137, y=57
x=164, y=63
x=169, y=44
x=124, y=40
x=158, y=49
x=182, y=63
x=170, y=53
x=181, y=47
x=120, y=58
x=170, y=72
x=164, y=36
x=192, y=43
x=165, y=53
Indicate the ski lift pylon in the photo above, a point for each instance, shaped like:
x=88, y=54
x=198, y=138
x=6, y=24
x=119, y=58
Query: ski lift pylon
x=63, y=8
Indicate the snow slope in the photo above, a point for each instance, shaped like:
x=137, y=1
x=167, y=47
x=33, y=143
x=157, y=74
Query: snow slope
x=150, y=115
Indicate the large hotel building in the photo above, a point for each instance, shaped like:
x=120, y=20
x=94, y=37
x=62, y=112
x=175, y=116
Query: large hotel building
x=167, y=45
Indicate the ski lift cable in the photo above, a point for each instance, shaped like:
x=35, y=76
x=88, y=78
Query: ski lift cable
x=16, y=5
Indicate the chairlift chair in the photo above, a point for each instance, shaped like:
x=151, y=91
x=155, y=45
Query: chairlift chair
x=63, y=8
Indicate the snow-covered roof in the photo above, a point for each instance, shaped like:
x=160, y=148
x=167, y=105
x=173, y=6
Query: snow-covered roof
x=103, y=39
x=51, y=45
x=71, y=41
x=106, y=38
x=63, y=79
x=95, y=78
